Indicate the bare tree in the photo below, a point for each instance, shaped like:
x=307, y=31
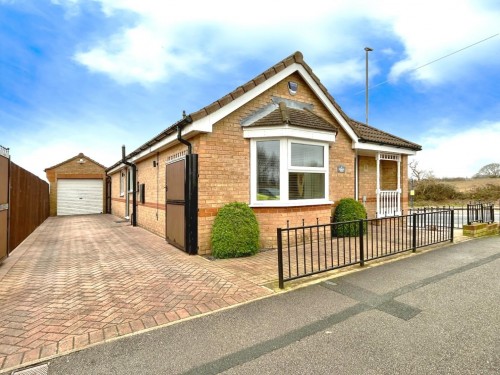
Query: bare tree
x=489, y=170
x=418, y=173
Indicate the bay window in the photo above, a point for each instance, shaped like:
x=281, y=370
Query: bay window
x=288, y=172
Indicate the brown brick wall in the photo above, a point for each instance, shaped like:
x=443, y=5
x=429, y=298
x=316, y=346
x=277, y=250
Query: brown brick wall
x=74, y=169
x=367, y=185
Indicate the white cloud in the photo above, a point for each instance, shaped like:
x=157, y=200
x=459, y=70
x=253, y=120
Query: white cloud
x=460, y=153
x=166, y=40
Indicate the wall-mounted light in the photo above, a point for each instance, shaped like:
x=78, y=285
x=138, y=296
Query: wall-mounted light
x=292, y=87
x=154, y=163
x=81, y=161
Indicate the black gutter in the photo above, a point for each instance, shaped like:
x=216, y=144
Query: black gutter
x=134, y=186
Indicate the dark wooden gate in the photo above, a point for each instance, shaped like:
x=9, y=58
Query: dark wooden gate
x=4, y=202
x=182, y=203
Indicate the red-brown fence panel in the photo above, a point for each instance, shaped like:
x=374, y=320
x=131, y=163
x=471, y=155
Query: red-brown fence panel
x=28, y=206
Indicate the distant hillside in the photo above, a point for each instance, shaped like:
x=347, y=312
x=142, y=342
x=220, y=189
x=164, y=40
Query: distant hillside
x=470, y=184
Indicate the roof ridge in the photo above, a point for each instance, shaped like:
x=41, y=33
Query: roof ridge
x=80, y=155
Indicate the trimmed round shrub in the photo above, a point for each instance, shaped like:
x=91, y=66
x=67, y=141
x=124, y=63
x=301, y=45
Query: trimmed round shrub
x=235, y=232
x=348, y=209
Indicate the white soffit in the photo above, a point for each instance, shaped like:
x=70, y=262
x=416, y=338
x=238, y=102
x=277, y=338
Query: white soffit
x=360, y=146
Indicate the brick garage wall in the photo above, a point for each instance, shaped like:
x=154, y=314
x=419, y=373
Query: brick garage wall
x=74, y=169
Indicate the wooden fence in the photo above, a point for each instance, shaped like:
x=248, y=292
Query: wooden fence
x=28, y=203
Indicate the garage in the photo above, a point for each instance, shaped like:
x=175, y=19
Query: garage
x=79, y=196
x=77, y=186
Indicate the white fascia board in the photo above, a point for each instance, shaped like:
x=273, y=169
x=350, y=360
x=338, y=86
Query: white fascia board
x=382, y=148
x=327, y=103
x=205, y=124
x=288, y=132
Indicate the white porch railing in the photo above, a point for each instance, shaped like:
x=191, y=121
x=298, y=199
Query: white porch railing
x=388, y=203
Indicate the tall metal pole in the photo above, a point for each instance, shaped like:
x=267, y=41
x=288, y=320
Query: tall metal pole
x=367, y=49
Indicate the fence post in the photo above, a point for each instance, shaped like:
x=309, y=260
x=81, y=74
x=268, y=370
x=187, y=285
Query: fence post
x=361, y=244
x=452, y=223
x=280, y=259
x=492, y=213
x=414, y=233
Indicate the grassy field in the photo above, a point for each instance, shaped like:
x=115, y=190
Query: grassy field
x=469, y=188
x=467, y=185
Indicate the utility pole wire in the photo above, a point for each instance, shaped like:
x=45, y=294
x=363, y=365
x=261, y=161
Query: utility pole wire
x=433, y=61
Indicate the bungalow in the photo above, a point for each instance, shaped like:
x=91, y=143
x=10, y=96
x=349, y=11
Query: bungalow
x=280, y=143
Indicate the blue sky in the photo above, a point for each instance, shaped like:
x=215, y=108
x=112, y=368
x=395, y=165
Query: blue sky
x=89, y=76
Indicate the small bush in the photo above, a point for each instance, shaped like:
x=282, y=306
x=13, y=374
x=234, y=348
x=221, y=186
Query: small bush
x=348, y=209
x=235, y=232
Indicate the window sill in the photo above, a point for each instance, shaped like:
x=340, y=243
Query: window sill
x=311, y=202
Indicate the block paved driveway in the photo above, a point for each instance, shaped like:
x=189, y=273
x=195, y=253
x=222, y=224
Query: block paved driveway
x=81, y=280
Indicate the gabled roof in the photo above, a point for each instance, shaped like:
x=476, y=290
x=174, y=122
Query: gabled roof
x=79, y=156
x=296, y=117
x=370, y=134
x=296, y=58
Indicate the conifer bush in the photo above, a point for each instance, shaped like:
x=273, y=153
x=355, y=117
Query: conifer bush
x=348, y=209
x=235, y=232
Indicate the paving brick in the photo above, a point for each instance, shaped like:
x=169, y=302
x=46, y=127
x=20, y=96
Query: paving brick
x=13, y=360
x=72, y=309
x=31, y=355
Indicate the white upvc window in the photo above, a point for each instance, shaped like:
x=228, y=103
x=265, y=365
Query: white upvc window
x=122, y=182
x=288, y=172
x=130, y=182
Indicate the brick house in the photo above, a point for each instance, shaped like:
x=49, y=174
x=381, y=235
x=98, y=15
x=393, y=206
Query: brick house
x=280, y=143
x=77, y=186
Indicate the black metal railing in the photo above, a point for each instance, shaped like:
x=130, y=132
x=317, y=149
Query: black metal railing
x=311, y=249
x=480, y=213
x=460, y=213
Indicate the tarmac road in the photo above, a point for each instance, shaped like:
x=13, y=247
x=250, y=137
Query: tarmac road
x=432, y=313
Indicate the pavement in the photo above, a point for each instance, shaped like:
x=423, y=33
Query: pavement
x=81, y=281
x=431, y=313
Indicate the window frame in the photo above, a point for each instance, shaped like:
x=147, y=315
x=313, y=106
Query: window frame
x=122, y=182
x=130, y=182
x=285, y=169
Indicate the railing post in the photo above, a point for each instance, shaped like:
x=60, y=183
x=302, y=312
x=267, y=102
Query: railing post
x=452, y=223
x=414, y=233
x=280, y=259
x=361, y=244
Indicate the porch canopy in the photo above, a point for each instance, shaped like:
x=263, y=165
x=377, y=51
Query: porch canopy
x=385, y=148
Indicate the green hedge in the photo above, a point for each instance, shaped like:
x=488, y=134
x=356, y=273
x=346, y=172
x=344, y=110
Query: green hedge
x=235, y=232
x=348, y=209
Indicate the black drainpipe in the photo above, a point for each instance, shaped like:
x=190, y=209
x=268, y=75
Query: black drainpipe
x=183, y=141
x=134, y=187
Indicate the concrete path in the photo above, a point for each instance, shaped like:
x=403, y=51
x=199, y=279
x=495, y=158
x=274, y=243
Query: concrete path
x=81, y=280
x=432, y=313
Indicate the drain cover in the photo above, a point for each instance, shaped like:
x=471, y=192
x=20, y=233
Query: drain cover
x=37, y=370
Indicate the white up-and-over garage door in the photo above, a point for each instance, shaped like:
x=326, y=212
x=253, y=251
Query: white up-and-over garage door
x=79, y=196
